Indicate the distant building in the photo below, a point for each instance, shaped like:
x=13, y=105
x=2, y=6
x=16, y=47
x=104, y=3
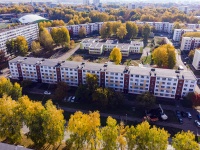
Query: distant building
x=30, y=32
x=196, y=59
x=131, y=6
x=86, y=2
x=184, y=9
x=179, y=32
x=31, y=18
x=189, y=43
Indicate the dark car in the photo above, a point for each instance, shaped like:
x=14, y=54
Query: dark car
x=178, y=113
x=180, y=120
x=198, y=116
x=183, y=114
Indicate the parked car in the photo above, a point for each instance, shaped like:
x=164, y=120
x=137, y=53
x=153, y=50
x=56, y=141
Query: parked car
x=197, y=123
x=180, y=67
x=178, y=113
x=69, y=99
x=180, y=120
x=47, y=93
x=185, y=63
x=186, y=58
x=189, y=115
x=183, y=114
x=73, y=99
x=198, y=116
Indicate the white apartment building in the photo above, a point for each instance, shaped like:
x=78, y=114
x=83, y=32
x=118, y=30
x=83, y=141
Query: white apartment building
x=196, y=59
x=189, y=43
x=30, y=32
x=136, y=80
x=179, y=32
x=131, y=6
x=90, y=28
x=96, y=47
x=159, y=26
x=86, y=2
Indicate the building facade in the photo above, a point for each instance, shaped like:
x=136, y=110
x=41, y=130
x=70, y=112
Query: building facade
x=96, y=47
x=196, y=60
x=30, y=32
x=136, y=80
x=179, y=32
x=189, y=43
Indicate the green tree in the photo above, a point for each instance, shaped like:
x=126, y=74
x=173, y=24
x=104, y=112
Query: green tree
x=131, y=137
x=104, y=31
x=46, y=40
x=101, y=97
x=82, y=32
x=11, y=121
x=110, y=134
x=82, y=93
x=64, y=36
x=35, y=47
x=21, y=46
x=18, y=46
x=54, y=123
x=132, y=30
x=84, y=129
x=185, y=141
x=121, y=32
x=6, y=87
x=116, y=55
x=150, y=138
x=92, y=82
x=55, y=35
x=146, y=99
x=61, y=91
x=16, y=91
x=171, y=56
x=146, y=32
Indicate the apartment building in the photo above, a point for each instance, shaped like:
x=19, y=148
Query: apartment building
x=30, y=32
x=179, y=32
x=196, y=59
x=136, y=80
x=159, y=26
x=90, y=28
x=189, y=43
x=96, y=47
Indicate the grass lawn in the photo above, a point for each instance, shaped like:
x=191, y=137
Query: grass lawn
x=146, y=59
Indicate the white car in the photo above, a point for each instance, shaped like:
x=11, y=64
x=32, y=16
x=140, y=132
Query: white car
x=69, y=99
x=197, y=123
x=73, y=98
x=47, y=93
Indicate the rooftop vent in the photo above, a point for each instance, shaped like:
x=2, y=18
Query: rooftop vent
x=43, y=59
x=152, y=69
x=177, y=71
x=183, y=76
x=155, y=74
x=25, y=58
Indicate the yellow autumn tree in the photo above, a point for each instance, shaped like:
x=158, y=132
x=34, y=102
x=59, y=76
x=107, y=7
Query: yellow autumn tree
x=84, y=129
x=164, y=56
x=116, y=55
x=121, y=32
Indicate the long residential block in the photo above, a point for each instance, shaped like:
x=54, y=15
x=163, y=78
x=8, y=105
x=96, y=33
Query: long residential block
x=136, y=80
x=190, y=43
x=29, y=31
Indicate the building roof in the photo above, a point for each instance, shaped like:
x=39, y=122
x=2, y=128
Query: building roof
x=110, y=67
x=31, y=18
x=4, y=146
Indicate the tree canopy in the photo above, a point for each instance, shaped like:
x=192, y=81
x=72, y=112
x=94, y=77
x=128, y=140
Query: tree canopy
x=116, y=55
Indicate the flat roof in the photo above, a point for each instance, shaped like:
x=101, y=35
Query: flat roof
x=15, y=27
x=123, y=46
x=96, y=45
x=168, y=73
